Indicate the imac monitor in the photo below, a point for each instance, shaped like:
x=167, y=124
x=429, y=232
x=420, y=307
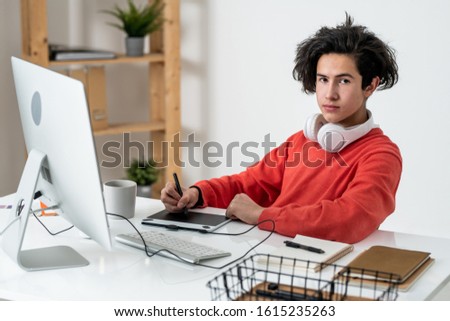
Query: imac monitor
x=61, y=165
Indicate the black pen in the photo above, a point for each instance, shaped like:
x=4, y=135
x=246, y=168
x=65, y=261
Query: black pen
x=179, y=190
x=303, y=247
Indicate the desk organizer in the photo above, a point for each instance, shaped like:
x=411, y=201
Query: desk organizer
x=263, y=277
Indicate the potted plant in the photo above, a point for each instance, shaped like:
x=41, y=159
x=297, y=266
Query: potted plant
x=144, y=173
x=137, y=23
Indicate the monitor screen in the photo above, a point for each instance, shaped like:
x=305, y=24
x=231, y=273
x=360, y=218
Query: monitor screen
x=62, y=161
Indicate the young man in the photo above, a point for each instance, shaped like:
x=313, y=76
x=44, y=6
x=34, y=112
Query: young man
x=336, y=179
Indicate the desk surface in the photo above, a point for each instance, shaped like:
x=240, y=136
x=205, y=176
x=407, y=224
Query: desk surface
x=126, y=273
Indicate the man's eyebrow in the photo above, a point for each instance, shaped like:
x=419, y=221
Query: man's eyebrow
x=345, y=75
x=337, y=76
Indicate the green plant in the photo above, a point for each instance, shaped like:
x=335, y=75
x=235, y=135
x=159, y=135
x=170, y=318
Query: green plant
x=143, y=172
x=138, y=22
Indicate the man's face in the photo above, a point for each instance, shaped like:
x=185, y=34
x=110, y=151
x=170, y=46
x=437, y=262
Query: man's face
x=338, y=90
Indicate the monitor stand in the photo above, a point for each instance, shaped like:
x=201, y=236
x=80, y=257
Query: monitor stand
x=56, y=257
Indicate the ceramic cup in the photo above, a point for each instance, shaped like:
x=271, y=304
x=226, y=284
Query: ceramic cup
x=120, y=197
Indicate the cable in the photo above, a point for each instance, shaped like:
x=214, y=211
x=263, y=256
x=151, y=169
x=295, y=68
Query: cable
x=51, y=233
x=40, y=222
x=8, y=226
x=143, y=240
x=241, y=233
x=36, y=196
x=54, y=207
x=32, y=212
x=215, y=233
x=139, y=233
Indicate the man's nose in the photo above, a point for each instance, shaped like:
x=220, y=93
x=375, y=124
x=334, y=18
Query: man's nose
x=332, y=92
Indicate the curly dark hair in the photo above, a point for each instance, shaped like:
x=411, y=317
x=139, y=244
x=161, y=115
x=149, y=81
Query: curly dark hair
x=373, y=57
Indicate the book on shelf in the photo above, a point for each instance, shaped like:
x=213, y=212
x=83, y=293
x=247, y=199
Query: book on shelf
x=67, y=53
x=382, y=264
x=307, y=259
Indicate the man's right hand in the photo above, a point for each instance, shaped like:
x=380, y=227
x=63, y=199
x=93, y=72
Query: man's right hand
x=174, y=202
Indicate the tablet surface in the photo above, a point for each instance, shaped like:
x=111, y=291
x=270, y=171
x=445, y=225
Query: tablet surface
x=206, y=219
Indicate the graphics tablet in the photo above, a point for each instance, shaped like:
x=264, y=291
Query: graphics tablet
x=200, y=219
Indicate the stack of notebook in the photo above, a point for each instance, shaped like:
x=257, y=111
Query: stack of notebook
x=390, y=265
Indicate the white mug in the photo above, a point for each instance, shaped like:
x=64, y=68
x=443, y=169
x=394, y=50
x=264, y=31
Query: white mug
x=120, y=197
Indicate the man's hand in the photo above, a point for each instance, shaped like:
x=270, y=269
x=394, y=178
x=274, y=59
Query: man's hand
x=242, y=207
x=174, y=202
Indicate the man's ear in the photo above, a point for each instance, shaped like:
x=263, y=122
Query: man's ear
x=368, y=91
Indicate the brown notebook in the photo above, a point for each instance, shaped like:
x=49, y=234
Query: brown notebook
x=385, y=259
x=403, y=287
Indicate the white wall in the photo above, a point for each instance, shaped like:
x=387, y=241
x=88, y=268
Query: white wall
x=237, y=58
x=250, y=91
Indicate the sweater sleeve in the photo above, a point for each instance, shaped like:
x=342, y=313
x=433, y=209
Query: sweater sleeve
x=261, y=182
x=365, y=204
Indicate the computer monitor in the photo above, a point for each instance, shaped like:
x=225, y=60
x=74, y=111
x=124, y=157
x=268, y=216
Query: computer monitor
x=61, y=165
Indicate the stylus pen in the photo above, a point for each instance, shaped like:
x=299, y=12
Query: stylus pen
x=179, y=190
x=303, y=247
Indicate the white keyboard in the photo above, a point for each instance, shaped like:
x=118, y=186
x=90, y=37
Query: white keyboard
x=187, y=250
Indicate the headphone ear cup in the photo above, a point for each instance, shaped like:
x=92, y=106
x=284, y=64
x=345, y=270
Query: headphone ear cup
x=313, y=125
x=333, y=137
x=330, y=137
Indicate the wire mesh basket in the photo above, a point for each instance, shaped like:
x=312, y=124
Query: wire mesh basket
x=263, y=277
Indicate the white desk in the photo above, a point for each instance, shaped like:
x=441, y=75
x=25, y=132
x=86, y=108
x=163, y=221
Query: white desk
x=127, y=274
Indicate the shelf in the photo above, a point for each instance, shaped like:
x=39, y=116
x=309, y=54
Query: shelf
x=163, y=67
x=154, y=57
x=131, y=128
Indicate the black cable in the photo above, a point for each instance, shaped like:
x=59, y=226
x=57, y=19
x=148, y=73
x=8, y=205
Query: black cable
x=240, y=233
x=215, y=233
x=36, y=196
x=51, y=233
x=246, y=253
x=139, y=233
x=151, y=254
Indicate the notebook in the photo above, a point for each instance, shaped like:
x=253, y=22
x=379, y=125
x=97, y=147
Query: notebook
x=61, y=53
x=386, y=259
x=311, y=260
x=403, y=287
x=381, y=266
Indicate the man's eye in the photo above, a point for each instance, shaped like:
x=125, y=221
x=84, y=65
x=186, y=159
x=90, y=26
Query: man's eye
x=323, y=79
x=345, y=81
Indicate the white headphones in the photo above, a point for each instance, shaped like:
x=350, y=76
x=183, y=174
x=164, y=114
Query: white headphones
x=333, y=137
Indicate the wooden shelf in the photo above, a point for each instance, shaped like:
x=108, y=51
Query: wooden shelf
x=121, y=59
x=163, y=64
x=131, y=128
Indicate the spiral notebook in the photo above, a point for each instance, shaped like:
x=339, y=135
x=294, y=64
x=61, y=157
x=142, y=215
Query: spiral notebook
x=333, y=251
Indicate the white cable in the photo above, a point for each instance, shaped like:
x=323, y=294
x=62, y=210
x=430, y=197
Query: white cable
x=45, y=209
x=10, y=223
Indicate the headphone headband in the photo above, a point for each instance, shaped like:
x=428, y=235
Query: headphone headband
x=333, y=137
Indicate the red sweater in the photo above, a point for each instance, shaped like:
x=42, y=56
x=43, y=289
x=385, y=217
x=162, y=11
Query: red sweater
x=343, y=196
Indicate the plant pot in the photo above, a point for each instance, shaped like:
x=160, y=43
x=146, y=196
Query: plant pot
x=144, y=191
x=134, y=46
